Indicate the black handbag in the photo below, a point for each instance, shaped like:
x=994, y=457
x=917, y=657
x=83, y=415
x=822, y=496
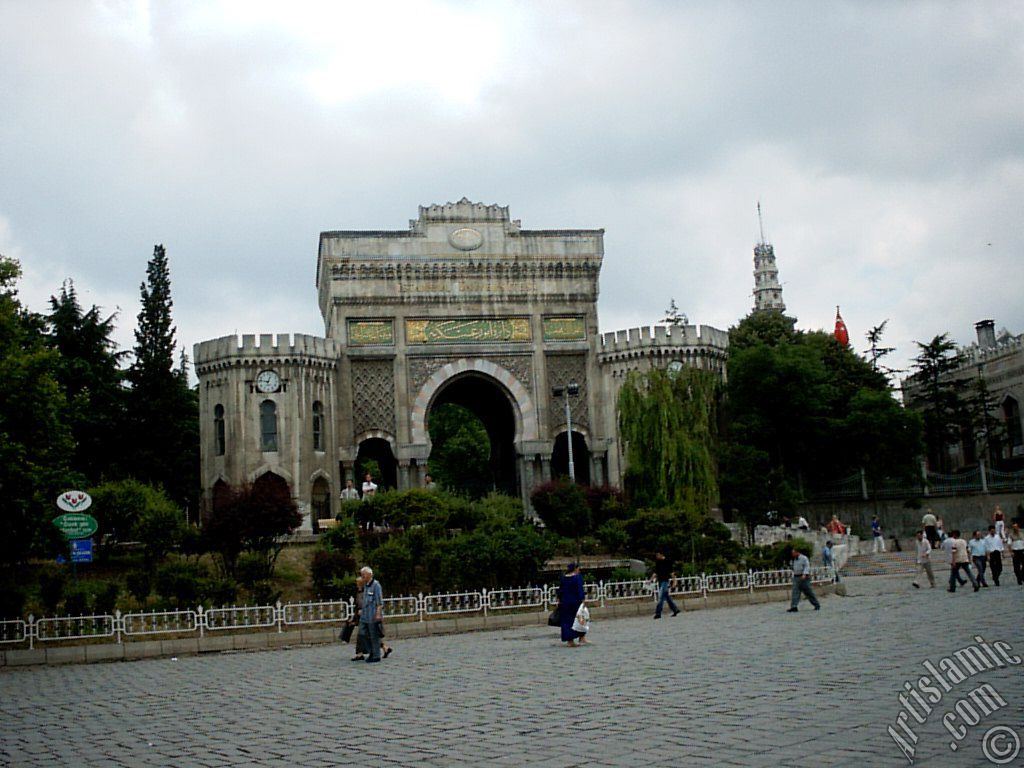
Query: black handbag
x=346, y=632
x=555, y=618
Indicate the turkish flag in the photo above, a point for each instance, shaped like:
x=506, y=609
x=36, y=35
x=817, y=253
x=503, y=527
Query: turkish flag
x=841, y=334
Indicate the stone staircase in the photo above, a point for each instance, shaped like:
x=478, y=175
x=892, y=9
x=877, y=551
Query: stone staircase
x=882, y=564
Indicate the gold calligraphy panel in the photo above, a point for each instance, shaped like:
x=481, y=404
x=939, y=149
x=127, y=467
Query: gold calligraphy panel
x=564, y=329
x=467, y=331
x=363, y=333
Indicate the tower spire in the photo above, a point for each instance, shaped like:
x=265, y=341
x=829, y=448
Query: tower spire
x=767, y=288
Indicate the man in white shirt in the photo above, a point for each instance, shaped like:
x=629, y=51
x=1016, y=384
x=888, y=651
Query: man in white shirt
x=994, y=549
x=979, y=554
x=369, y=487
x=924, y=560
x=930, y=531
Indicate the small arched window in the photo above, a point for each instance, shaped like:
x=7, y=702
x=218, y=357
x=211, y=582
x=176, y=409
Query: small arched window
x=318, y=426
x=268, y=426
x=218, y=429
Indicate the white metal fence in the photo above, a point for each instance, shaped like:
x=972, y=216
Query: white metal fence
x=200, y=621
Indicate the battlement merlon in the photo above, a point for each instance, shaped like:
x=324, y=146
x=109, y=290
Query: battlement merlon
x=265, y=346
x=651, y=337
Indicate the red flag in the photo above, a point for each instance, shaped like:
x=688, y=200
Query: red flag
x=841, y=334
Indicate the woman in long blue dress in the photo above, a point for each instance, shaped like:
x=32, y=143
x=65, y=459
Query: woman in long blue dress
x=572, y=595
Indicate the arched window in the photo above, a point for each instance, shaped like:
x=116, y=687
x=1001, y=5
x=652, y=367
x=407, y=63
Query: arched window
x=268, y=426
x=218, y=429
x=318, y=426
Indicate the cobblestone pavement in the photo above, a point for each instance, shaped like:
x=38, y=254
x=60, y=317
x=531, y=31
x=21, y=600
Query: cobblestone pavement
x=742, y=686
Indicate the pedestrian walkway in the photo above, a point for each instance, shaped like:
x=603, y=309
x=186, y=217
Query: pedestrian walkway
x=885, y=564
x=742, y=686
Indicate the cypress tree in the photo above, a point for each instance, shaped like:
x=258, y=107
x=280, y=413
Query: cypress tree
x=163, y=417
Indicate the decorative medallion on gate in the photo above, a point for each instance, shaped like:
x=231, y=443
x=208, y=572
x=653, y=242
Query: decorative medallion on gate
x=467, y=330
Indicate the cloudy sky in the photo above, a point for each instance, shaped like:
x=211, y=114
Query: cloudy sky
x=884, y=140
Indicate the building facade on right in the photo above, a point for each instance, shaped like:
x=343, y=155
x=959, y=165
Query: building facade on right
x=998, y=361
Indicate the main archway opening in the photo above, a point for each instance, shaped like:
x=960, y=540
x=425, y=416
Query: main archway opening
x=487, y=403
x=580, y=458
x=375, y=456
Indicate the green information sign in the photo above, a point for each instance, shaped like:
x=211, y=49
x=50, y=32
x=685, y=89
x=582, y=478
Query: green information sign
x=76, y=525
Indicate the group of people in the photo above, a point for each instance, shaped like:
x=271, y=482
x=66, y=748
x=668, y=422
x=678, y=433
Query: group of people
x=985, y=551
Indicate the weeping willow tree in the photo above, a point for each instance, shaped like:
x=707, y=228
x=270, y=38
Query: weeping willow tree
x=667, y=422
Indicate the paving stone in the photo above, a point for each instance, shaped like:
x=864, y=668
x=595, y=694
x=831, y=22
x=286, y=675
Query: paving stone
x=748, y=685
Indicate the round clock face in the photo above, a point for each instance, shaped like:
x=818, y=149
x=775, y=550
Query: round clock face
x=268, y=381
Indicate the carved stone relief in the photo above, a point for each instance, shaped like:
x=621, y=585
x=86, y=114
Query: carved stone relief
x=373, y=396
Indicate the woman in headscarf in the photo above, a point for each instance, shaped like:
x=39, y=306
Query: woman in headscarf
x=571, y=597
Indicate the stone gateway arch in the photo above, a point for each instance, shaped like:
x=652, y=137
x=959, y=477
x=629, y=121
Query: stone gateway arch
x=465, y=306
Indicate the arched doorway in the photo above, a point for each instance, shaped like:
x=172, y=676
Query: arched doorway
x=490, y=403
x=378, y=451
x=272, y=485
x=580, y=458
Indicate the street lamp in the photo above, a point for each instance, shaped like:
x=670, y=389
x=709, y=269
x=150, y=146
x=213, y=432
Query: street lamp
x=572, y=388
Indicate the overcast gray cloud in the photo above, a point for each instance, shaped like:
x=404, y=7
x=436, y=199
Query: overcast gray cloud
x=885, y=141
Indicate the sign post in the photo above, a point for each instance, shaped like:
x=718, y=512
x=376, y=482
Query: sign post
x=76, y=526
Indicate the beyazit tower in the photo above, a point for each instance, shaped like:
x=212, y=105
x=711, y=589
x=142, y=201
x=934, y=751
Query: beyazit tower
x=767, y=288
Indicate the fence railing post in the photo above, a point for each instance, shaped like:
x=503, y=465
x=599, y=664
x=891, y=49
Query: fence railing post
x=484, y=600
x=421, y=607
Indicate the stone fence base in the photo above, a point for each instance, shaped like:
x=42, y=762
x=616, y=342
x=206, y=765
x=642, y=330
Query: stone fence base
x=398, y=630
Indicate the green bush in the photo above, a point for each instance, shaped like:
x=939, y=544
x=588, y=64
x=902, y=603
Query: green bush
x=251, y=568
x=392, y=563
x=328, y=570
x=613, y=536
x=219, y=591
x=12, y=600
x=76, y=601
x=180, y=583
x=342, y=538
x=107, y=593
x=264, y=593
x=52, y=581
x=139, y=585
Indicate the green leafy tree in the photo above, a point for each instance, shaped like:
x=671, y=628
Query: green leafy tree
x=129, y=510
x=90, y=375
x=940, y=399
x=460, y=452
x=883, y=437
x=563, y=508
x=668, y=425
x=770, y=327
x=36, y=445
x=164, y=411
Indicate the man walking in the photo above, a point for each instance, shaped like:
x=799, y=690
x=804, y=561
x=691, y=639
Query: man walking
x=663, y=575
x=878, y=541
x=961, y=561
x=924, y=560
x=802, y=581
x=372, y=613
x=930, y=531
x=994, y=549
x=979, y=554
